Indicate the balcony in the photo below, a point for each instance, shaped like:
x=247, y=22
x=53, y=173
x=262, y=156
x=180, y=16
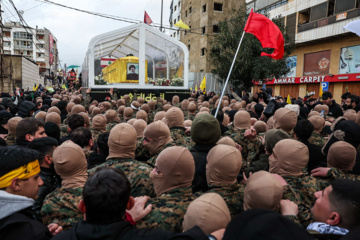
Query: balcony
x=23, y=47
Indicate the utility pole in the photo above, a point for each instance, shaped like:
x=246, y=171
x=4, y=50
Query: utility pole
x=161, y=21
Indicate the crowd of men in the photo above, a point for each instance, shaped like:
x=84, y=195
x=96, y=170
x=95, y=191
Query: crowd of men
x=261, y=168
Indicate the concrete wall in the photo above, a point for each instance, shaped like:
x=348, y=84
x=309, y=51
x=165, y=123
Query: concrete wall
x=30, y=74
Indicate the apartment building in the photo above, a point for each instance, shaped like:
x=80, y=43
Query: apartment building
x=175, y=16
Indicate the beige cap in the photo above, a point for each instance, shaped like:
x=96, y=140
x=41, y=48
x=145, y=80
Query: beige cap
x=159, y=133
x=96, y=111
x=106, y=105
x=289, y=158
x=192, y=108
x=318, y=123
x=99, y=122
x=70, y=106
x=131, y=121
x=77, y=109
x=177, y=168
x=141, y=114
x=209, y=212
x=350, y=115
x=12, y=124
x=159, y=116
x=321, y=107
x=91, y=108
x=128, y=112
x=54, y=118
x=122, y=141
x=262, y=190
x=86, y=119
x=152, y=104
x=313, y=113
x=145, y=107
x=260, y=127
x=242, y=120
x=341, y=155
x=227, y=141
x=135, y=105
x=285, y=119
x=54, y=109
x=121, y=109
x=174, y=117
x=187, y=123
x=270, y=123
x=41, y=115
x=139, y=126
x=111, y=115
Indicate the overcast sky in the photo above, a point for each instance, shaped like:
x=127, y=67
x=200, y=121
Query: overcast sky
x=74, y=29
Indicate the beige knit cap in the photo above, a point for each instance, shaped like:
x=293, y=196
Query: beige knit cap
x=122, y=141
x=174, y=117
x=159, y=116
x=141, y=114
x=318, y=123
x=187, y=123
x=131, y=121
x=91, y=108
x=120, y=102
x=184, y=104
x=54, y=109
x=126, y=97
x=341, y=155
x=96, y=111
x=159, y=133
x=99, y=122
x=166, y=107
x=141, y=100
x=242, y=120
x=54, y=102
x=54, y=118
x=145, y=107
x=128, y=112
x=209, y=212
x=192, y=108
x=12, y=124
x=350, y=115
x=152, y=104
x=204, y=109
x=313, y=113
x=71, y=165
x=270, y=123
x=86, y=119
x=177, y=168
x=237, y=106
x=253, y=121
x=111, y=115
x=106, y=105
x=289, y=158
x=41, y=115
x=260, y=127
x=77, y=100
x=321, y=107
x=206, y=104
x=77, y=109
x=135, y=105
x=139, y=126
x=226, y=120
x=262, y=190
x=285, y=119
x=121, y=109
x=227, y=141
x=95, y=102
x=175, y=99
x=223, y=165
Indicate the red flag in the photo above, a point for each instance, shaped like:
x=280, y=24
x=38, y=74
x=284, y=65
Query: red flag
x=147, y=19
x=267, y=32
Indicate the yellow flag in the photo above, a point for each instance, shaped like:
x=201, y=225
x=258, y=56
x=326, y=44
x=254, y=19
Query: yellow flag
x=180, y=24
x=191, y=89
x=203, y=85
x=288, y=99
x=195, y=88
x=321, y=91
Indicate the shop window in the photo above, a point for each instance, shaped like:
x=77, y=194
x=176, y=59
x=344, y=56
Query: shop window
x=218, y=7
x=204, y=8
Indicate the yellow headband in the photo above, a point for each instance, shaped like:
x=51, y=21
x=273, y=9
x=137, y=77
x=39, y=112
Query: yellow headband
x=22, y=172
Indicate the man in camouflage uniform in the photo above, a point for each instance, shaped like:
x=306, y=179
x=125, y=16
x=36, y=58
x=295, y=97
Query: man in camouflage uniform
x=152, y=111
x=61, y=206
x=12, y=124
x=141, y=153
x=159, y=104
x=122, y=144
x=174, y=167
x=318, y=123
x=191, y=112
x=98, y=126
x=112, y=119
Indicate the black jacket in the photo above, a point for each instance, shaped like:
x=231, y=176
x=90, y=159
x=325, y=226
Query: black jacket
x=123, y=231
x=335, y=110
x=316, y=158
x=51, y=182
x=23, y=223
x=199, y=153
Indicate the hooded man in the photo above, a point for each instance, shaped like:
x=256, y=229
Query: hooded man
x=174, y=118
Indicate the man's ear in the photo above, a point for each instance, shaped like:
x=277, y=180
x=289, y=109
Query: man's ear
x=69, y=129
x=29, y=137
x=334, y=219
x=130, y=203
x=15, y=185
x=48, y=159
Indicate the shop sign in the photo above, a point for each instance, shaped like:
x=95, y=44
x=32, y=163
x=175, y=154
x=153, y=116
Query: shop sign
x=341, y=16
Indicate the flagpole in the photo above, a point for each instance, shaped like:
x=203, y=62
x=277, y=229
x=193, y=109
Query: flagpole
x=228, y=77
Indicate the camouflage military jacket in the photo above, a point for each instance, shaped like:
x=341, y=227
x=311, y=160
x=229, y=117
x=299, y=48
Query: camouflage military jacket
x=96, y=133
x=63, y=130
x=335, y=173
x=137, y=172
x=233, y=194
x=11, y=139
x=61, y=207
x=110, y=125
x=159, y=106
x=177, y=105
x=150, y=116
x=250, y=148
x=168, y=210
x=317, y=139
x=190, y=116
x=179, y=136
x=87, y=101
x=87, y=152
x=141, y=152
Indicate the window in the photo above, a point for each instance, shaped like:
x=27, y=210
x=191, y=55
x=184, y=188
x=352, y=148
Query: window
x=216, y=29
x=204, y=8
x=175, y=8
x=174, y=34
x=186, y=13
x=41, y=55
x=185, y=32
x=203, y=50
x=41, y=45
x=218, y=7
x=7, y=34
x=179, y=4
x=178, y=32
x=22, y=35
x=190, y=9
x=171, y=35
x=203, y=30
x=175, y=21
x=7, y=52
x=179, y=18
x=41, y=37
x=189, y=47
x=7, y=43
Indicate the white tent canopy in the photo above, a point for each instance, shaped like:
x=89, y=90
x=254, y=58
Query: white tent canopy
x=167, y=58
